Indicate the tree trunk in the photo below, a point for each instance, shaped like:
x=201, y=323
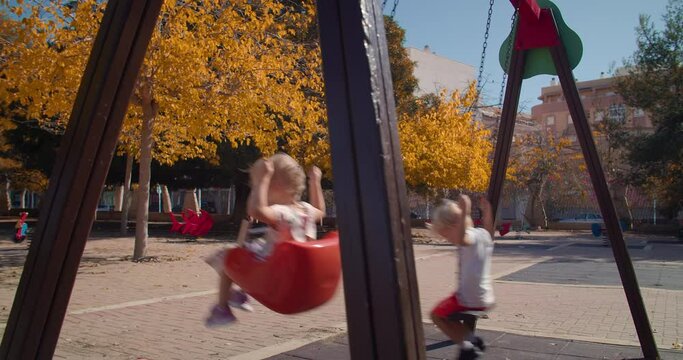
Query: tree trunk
x=166, y=200
x=118, y=198
x=628, y=209
x=428, y=207
x=5, y=199
x=142, y=213
x=241, y=196
x=541, y=199
x=22, y=199
x=534, y=205
x=190, y=200
x=618, y=192
x=127, y=194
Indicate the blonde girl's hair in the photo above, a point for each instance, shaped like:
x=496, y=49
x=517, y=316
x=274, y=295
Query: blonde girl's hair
x=288, y=174
x=446, y=214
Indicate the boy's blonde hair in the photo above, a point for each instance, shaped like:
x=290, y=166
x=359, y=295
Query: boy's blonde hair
x=446, y=214
x=288, y=174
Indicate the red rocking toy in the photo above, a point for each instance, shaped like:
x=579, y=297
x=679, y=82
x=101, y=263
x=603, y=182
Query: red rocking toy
x=193, y=224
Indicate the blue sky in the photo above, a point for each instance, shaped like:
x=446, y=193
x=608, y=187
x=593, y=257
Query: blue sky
x=455, y=29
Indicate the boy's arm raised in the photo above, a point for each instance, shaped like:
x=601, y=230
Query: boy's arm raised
x=486, y=215
x=466, y=221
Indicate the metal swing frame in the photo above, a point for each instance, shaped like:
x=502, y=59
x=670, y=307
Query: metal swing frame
x=537, y=29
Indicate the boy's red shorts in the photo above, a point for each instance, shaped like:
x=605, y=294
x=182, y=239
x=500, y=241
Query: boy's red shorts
x=450, y=305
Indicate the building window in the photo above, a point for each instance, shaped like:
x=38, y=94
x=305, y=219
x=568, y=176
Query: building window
x=638, y=112
x=550, y=120
x=617, y=112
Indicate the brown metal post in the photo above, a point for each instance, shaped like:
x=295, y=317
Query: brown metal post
x=68, y=209
x=507, y=127
x=380, y=286
x=609, y=214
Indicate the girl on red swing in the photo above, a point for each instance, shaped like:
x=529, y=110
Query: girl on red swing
x=277, y=184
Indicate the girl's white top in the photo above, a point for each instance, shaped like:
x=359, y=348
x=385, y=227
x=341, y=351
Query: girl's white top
x=295, y=223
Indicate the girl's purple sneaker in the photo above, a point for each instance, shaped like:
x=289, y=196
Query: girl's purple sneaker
x=240, y=300
x=220, y=316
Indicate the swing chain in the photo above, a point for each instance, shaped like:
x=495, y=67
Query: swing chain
x=393, y=9
x=508, y=52
x=480, y=86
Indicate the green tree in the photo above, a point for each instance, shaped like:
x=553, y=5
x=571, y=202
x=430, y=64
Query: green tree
x=8, y=165
x=26, y=157
x=404, y=82
x=655, y=84
x=612, y=140
x=8, y=161
x=36, y=147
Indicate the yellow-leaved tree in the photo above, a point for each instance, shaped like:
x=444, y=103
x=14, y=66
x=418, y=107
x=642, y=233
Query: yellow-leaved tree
x=444, y=147
x=539, y=161
x=8, y=165
x=214, y=71
x=17, y=144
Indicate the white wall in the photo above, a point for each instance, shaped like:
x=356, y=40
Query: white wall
x=435, y=72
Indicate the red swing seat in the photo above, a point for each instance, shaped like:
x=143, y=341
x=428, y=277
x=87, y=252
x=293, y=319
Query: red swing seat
x=295, y=278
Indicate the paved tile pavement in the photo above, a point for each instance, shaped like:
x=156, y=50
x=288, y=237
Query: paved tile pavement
x=499, y=345
x=122, y=310
x=592, y=272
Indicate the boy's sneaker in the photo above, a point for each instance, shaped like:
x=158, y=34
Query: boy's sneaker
x=240, y=300
x=479, y=343
x=469, y=354
x=472, y=350
x=220, y=316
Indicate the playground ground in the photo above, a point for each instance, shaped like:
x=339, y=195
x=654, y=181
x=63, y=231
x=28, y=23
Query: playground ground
x=558, y=296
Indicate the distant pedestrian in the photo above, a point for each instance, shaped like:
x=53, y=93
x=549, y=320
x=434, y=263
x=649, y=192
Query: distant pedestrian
x=21, y=228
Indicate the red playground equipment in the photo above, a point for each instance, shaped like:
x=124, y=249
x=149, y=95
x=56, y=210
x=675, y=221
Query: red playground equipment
x=295, y=278
x=503, y=229
x=194, y=225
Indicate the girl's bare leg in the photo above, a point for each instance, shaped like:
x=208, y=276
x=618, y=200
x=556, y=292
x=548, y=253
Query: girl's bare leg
x=224, y=290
